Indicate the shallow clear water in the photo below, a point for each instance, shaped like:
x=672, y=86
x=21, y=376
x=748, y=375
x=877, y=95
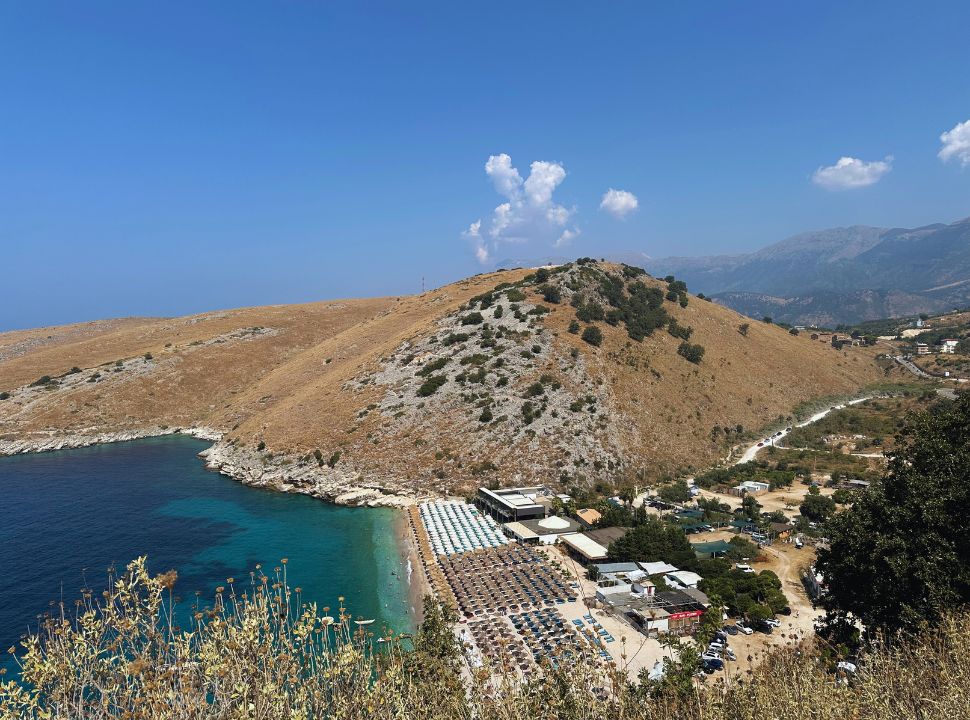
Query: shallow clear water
x=66, y=516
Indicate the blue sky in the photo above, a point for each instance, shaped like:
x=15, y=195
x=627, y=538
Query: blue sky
x=167, y=158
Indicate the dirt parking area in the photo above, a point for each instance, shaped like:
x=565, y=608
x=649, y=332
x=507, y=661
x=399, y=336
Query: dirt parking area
x=787, y=500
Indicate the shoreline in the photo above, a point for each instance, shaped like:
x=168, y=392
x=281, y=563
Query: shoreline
x=283, y=473
x=404, y=540
x=411, y=562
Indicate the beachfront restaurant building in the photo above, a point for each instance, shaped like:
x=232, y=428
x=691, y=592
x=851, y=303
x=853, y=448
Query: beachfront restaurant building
x=543, y=531
x=514, y=504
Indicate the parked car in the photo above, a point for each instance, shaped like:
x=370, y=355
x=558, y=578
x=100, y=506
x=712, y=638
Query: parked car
x=710, y=655
x=731, y=629
x=799, y=543
x=711, y=666
x=761, y=444
x=721, y=636
x=785, y=611
x=746, y=569
x=773, y=622
x=788, y=429
x=763, y=627
x=744, y=629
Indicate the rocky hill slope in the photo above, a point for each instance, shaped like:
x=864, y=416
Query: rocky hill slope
x=579, y=374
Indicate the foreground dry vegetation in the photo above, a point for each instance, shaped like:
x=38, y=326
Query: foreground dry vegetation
x=256, y=652
x=332, y=392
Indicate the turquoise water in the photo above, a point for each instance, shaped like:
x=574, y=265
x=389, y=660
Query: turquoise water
x=67, y=516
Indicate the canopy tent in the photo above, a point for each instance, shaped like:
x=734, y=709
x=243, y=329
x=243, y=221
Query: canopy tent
x=715, y=548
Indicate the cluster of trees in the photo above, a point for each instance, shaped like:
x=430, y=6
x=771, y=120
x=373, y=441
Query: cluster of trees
x=654, y=540
x=754, y=596
x=759, y=470
x=900, y=556
x=816, y=507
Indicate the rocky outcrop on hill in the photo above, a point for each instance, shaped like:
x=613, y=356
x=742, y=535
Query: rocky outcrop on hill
x=307, y=476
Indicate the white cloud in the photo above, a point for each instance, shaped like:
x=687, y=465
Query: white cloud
x=529, y=212
x=619, y=203
x=567, y=236
x=474, y=233
x=506, y=178
x=956, y=144
x=850, y=173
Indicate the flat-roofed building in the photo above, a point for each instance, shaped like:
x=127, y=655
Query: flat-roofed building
x=583, y=548
x=545, y=530
x=512, y=504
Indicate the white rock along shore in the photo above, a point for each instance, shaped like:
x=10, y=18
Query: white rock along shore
x=283, y=473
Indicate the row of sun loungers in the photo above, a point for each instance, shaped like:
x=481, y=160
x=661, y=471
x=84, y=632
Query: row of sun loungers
x=504, y=581
x=456, y=527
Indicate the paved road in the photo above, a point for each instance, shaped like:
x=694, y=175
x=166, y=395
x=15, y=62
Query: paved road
x=911, y=367
x=754, y=449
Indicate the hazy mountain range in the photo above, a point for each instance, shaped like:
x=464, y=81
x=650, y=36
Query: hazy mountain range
x=839, y=275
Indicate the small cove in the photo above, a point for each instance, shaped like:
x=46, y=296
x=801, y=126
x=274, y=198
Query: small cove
x=67, y=516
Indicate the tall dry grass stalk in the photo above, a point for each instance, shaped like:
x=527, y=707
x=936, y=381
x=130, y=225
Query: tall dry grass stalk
x=259, y=652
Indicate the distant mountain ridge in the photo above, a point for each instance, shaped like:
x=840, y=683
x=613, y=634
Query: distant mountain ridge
x=838, y=275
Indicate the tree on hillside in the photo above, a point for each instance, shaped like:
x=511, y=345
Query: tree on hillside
x=751, y=508
x=816, y=507
x=675, y=492
x=743, y=328
x=652, y=541
x=901, y=554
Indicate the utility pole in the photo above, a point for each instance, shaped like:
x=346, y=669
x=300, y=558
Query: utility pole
x=422, y=284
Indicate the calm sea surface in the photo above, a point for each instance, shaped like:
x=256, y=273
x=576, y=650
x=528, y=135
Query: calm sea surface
x=66, y=516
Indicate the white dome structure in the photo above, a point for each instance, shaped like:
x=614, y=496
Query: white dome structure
x=554, y=523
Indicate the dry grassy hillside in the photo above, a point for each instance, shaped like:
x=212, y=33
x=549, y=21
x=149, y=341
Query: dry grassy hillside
x=341, y=389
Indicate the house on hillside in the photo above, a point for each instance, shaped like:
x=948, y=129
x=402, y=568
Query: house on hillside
x=922, y=349
x=948, y=346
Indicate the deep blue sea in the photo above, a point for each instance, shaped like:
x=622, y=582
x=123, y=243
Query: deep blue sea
x=66, y=516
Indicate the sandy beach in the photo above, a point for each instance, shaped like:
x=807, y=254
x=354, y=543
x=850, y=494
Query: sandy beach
x=412, y=569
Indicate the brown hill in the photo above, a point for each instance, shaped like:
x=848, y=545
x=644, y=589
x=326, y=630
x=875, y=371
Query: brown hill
x=419, y=392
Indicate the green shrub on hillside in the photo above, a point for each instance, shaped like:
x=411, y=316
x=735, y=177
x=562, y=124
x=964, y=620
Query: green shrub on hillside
x=691, y=353
x=593, y=335
x=551, y=294
x=431, y=385
x=432, y=366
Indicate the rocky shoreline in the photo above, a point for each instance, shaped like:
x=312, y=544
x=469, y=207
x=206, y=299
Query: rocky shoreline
x=285, y=473
x=282, y=473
